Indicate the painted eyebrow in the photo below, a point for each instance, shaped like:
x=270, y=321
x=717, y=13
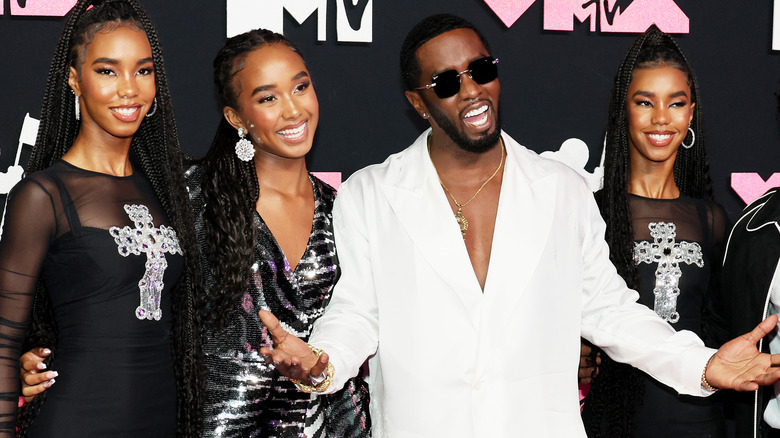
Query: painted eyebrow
x=113, y=61
x=262, y=88
x=651, y=94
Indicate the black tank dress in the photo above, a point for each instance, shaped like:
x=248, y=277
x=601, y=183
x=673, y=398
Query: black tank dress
x=101, y=246
x=678, y=250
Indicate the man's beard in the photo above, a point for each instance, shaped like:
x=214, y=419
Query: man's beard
x=484, y=143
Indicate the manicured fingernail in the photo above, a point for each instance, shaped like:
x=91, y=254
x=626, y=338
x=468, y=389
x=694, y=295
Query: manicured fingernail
x=41, y=366
x=52, y=375
x=46, y=351
x=48, y=383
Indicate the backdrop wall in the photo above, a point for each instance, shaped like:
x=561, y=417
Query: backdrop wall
x=555, y=83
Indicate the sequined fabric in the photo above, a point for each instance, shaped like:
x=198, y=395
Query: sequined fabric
x=245, y=396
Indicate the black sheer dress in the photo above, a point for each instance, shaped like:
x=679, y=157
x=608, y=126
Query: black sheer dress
x=245, y=396
x=102, y=249
x=678, y=250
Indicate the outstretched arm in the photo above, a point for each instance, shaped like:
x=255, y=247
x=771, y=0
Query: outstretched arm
x=740, y=366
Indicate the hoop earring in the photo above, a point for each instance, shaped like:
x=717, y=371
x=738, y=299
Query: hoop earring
x=154, y=108
x=244, y=149
x=77, y=107
x=693, y=139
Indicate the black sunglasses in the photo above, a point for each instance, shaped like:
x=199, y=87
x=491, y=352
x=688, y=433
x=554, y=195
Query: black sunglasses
x=447, y=83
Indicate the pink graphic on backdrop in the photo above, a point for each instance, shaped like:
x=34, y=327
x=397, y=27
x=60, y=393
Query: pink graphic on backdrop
x=640, y=14
x=509, y=10
x=749, y=186
x=629, y=16
x=41, y=8
x=333, y=179
x=560, y=14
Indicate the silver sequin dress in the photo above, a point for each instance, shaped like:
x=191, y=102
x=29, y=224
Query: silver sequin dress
x=245, y=397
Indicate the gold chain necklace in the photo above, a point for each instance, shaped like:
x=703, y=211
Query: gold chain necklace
x=463, y=223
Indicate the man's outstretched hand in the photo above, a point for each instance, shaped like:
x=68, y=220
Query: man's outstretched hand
x=739, y=365
x=291, y=356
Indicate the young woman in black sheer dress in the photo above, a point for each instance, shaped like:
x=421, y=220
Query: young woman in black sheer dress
x=665, y=234
x=95, y=256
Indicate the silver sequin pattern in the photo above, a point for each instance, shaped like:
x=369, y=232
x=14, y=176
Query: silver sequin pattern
x=245, y=397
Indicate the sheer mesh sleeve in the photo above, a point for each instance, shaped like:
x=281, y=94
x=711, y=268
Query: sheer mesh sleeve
x=714, y=323
x=719, y=227
x=27, y=234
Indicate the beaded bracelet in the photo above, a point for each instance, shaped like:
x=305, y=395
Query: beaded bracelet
x=704, y=383
x=318, y=386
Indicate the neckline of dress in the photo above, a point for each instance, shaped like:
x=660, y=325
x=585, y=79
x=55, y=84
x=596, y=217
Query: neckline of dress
x=93, y=172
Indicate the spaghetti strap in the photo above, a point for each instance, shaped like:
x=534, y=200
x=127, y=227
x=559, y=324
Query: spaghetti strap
x=68, y=207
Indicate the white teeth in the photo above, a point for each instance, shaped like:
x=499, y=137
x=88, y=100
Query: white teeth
x=125, y=111
x=292, y=132
x=469, y=117
x=477, y=111
x=660, y=137
x=481, y=121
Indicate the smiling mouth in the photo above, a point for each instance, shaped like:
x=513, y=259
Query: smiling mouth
x=293, y=133
x=477, y=117
x=660, y=137
x=125, y=111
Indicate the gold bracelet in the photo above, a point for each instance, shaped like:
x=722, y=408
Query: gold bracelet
x=704, y=383
x=322, y=386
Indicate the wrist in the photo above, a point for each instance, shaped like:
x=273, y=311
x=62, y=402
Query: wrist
x=704, y=383
x=317, y=383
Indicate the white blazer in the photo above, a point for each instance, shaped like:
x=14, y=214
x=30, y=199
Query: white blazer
x=446, y=359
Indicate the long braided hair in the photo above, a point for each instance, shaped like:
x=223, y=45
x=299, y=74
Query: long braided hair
x=155, y=152
x=230, y=186
x=618, y=387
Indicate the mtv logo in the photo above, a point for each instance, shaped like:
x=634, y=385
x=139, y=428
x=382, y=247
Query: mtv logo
x=627, y=16
x=353, y=17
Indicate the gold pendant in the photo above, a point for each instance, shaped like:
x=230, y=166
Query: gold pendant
x=462, y=222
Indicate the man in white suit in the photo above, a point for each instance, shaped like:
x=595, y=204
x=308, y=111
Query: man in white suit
x=471, y=267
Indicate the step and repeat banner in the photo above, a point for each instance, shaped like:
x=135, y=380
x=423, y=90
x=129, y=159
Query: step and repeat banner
x=558, y=59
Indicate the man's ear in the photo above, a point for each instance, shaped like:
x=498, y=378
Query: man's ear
x=414, y=98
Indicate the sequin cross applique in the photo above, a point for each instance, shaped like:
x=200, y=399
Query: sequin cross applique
x=155, y=242
x=668, y=253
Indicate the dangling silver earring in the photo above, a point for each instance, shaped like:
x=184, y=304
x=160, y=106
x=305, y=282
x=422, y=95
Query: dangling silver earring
x=693, y=139
x=154, y=108
x=77, y=106
x=244, y=149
